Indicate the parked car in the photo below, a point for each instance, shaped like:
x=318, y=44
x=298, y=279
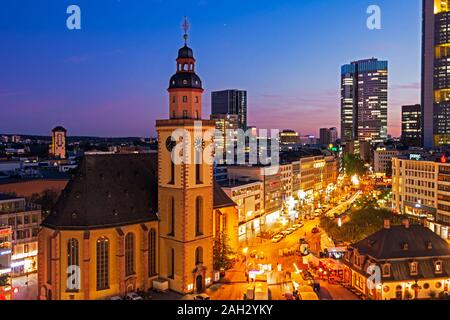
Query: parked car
x=202, y=296
x=277, y=238
x=133, y=296
x=291, y=230
x=315, y=230
x=115, y=298
x=297, y=226
x=285, y=233
x=253, y=254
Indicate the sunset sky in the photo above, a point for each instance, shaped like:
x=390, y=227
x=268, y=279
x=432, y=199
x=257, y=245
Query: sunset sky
x=110, y=78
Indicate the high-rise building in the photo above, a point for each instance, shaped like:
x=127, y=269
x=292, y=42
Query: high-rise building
x=328, y=136
x=58, y=146
x=436, y=73
x=364, y=100
x=412, y=125
x=231, y=102
x=225, y=138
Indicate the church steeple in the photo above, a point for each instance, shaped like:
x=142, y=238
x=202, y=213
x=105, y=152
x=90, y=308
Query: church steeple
x=185, y=187
x=185, y=86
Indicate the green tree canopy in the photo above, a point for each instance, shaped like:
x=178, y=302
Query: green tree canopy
x=354, y=165
x=362, y=223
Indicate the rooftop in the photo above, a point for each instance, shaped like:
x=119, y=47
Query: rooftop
x=400, y=242
x=113, y=190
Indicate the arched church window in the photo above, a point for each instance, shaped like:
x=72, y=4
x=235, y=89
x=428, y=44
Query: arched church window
x=102, y=263
x=129, y=254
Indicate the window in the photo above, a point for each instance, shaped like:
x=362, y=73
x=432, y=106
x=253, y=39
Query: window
x=185, y=99
x=72, y=260
x=399, y=293
x=49, y=261
x=151, y=252
x=438, y=267
x=174, y=99
x=199, y=216
x=171, y=264
x=386, y=270
x=129, y=254
x=185, y=114
x=414, y=268
x=172, y=172
x=198, y=256
x=102, y=263
x=196, y=100
x=198, y=167
x=171, y=217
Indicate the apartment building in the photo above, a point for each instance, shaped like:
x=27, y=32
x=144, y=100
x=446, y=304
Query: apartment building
x=422, y=189
x=248, y=196
x=271, y=183
x=24, y=219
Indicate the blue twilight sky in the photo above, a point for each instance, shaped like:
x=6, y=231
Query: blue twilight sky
x=110, y=78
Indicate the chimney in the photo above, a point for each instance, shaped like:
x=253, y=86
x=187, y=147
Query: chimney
x=405, y=223
x=387, y=224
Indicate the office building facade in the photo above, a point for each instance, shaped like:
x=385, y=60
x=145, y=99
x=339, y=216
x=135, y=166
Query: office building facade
x=231, y=102
x=412, y=125
x=436, y=73
x=364, y=100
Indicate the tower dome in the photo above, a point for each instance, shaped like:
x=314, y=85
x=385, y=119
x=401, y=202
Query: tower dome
x=185, y=53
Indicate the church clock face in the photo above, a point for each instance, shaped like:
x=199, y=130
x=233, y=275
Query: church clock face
x=170, y=144
x=199, y=144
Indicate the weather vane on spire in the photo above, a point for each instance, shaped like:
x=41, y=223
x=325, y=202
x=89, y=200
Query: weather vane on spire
x=186, y=29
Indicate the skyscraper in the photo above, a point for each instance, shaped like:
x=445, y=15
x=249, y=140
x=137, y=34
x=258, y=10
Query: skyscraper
x=328, y=136
x=364, y=100
x=436, y=73
x=231, y=102
x=412, y=125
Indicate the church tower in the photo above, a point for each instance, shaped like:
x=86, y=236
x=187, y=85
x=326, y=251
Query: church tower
x=185, y=186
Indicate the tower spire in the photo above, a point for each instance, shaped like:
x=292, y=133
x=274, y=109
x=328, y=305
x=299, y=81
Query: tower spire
x=186, y=27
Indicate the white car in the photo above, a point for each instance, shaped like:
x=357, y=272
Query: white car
x=291, y=230
x=133, y=296
x=297, y=226
x=115, y=298
x=277, y=238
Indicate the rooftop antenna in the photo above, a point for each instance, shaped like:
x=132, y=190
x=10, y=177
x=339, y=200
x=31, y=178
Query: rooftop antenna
x=186, y=27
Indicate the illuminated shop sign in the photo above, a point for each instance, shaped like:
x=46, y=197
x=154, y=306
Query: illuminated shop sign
x=5, y=252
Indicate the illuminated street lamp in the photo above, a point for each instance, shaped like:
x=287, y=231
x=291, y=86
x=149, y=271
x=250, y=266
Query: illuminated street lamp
x=355, y=180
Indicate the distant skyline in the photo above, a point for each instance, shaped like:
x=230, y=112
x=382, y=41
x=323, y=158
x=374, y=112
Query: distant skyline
x=110, y=78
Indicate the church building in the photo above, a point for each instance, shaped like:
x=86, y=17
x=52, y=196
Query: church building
x=126, y=220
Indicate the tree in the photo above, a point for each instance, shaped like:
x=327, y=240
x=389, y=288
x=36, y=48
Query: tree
x=46, y=200
x=362, y=223
x=354, y=165
x=222, y=253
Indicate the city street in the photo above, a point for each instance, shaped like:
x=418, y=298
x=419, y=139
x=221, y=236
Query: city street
x=26, y=287
x=235, y=283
